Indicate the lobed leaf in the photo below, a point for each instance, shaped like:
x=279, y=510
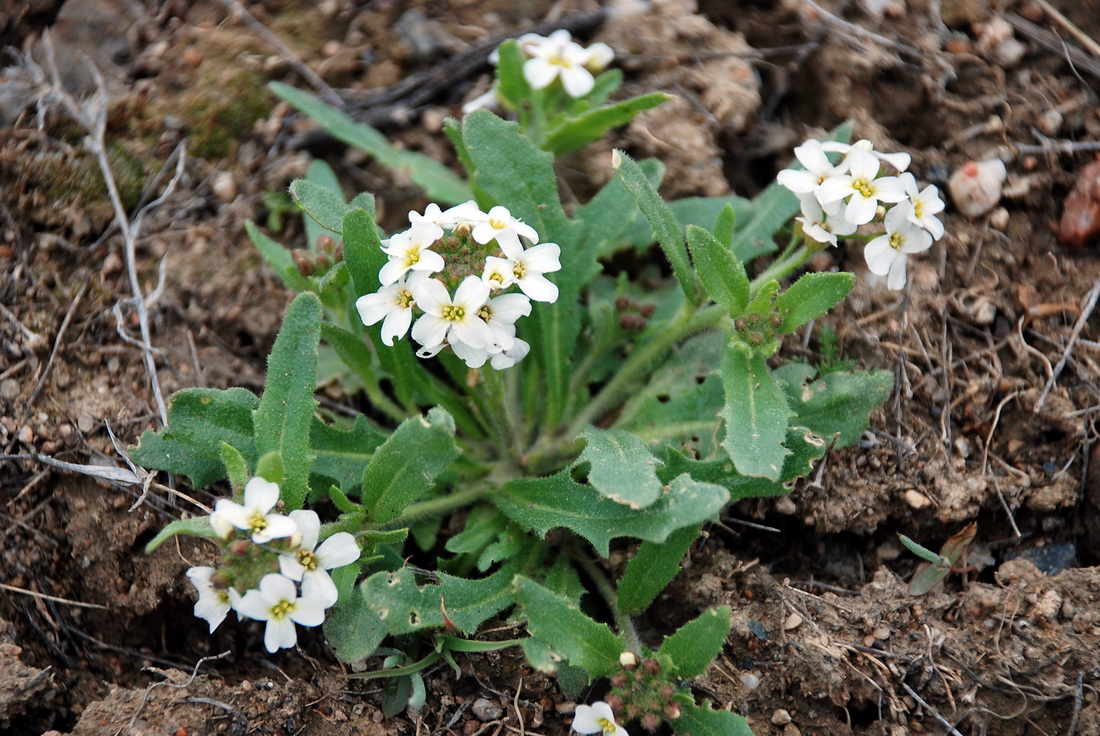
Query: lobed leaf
x=342, y=455
x=703, y=721
x=838, y=403
x=652, y=568
x=558, y=621
x=622, y=468
x=695, y=644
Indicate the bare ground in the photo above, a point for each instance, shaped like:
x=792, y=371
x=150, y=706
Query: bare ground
x=993, y=349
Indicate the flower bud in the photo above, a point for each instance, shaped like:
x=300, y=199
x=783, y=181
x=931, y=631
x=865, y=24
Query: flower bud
x=651, y=667
x=240, y=548
x=622, y=303
x=647, y=309
x=650, y=722
x=628, y=660
x=221, y=580
x=667, y=691
x=303, y=261
x=672, y=711
x=615, y=702
x=619, y=681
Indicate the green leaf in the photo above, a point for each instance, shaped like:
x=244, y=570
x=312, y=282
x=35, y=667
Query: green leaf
x=805, y=446
x=512, y=85
x=326, y=207
x=320, y=174
x=557, y=620
x=573, y=133
x=702, y=721
x=199, y=421
x=695, y=644
x=353, y=352
x=354, y=629
x=661, y=220
x=811, y=297
x=405, y=607
x=756, y=415
x=722, y=274
x=282, y=420
x=342, y=455
x=725, y=225
x=438, y=182
x=279, y=258
x=605, y=85
x=542, y=504
x=270, y=467
x=701, y=211
x=924, y=553
x=605, y=234
x=512, y=171
x=235, y=466
x=408, y=463
x=838, y=403
x=196, y=527
x=652, y=568
x=362, y=251
x=622, y=468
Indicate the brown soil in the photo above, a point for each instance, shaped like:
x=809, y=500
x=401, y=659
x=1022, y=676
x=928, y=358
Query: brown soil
x=992, y=421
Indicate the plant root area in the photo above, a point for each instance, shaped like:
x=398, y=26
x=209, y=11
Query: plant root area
x=994, y=347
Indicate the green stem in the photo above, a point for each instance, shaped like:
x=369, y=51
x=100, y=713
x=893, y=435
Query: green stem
x=440, y=505
x=782, y=267
x=688, y=322
x=603, y=585
x=496, y=405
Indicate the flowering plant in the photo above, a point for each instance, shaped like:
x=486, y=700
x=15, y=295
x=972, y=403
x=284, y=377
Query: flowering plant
x=632, y=410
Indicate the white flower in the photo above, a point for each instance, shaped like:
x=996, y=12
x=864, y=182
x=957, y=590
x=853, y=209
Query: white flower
x=411, y=251
x=900, y=161
x=310, y=565
x=499, y=225
x=487, y=101
x=213, y=603
x=558, y=57
x=450, y=319
x=498, y=273
x=432, y=216
x=393, y=304
x=822, y=227
x=509, y=357
x=600, y=56
x=467, y=212
x=862, y=185
x=923, y=206
x=811, y=155
x=500, y=314
x=886, y=255
x=260, y=496
x=597, y=718
x=528, y=268
x=277, y=602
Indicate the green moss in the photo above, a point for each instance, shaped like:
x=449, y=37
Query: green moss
x=218, y=122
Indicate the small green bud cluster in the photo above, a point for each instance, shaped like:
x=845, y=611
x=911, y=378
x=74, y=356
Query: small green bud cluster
x=642, y=692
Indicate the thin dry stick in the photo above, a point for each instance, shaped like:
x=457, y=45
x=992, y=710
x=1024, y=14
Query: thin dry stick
x=330, y=95
x=1082, y=320
x=993, y=428
x=57, y=341
x=194, y=674
x=93, y=117
x=54, y=598
x=924, y=704
x=1065, y=22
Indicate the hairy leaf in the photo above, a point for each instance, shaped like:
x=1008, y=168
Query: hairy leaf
x=811, y=297
x=756, y=415
x=342, y=455
x=622, y=468
x=652, y=568
x=695, y=644
x=722, y=274
x=838, y=403
x=703, y=721
x=573, y=133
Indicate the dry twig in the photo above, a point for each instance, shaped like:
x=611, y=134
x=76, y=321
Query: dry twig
x=1082, y=319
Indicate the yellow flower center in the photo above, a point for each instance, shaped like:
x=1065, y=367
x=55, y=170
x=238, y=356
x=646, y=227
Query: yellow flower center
x=307, y=559
x=918, y=208
x=405, y=299
x=520, y=270
x=605, y=725
x=257, y=523
x=281, y=610
x=863, y=187
x=497, y=224
x=412, y=258
x=895, y=241
x=454, y=313
x=485, y=313
x=557, y=60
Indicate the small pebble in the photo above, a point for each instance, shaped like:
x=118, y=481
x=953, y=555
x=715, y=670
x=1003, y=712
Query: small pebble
x=882, y=633
x=976, y=187
x=486, y=710
x=781, y=717
x=916, y=500
x=750, y=681
x=85, y=423
x=9, y=389
x=998, y=219
x=192, y=56
x=224, y=186
x=26, y=434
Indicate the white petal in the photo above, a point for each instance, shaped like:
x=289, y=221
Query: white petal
x=231, y=512
x=317, y=594
x=431, y=296
x=472, y=357
x=473, y=331
x=280, y=634
x=539, y=73
x=261, y=495
x=338, y=550
x=373, y=308
x=860, y=209
x=430, y=330
x=896, y=279
x=290, y=567
x=254, y=605
x=392, y=271
x=797, y=180
x=276, y=526
x=834, y=188
x=539, y=288
x=584, y=720
x=276, y=588
x=510, y=307
x=577, y=81
x=879, y=255
x=472, y=293
x=899, y=161
x=430, y=262
x=309, y=524
x=396, y=325
x=544, y=258
x=811, y=155
x=889, y=189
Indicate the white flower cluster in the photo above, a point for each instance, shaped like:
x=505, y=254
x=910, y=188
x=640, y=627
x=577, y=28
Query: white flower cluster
x=597, y=718
x=837, y=199
x=485, y=255
x=549, y=58
x=272, y=542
